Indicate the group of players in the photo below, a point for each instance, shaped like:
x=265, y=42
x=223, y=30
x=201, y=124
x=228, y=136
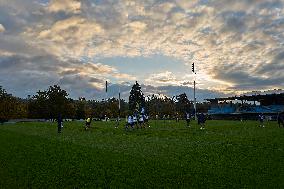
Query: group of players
x=280, y=119
x=141, y=120
x=201, y=119
x=137, y=120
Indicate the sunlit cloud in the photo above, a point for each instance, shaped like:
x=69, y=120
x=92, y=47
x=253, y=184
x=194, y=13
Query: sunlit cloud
x=2, y=29
x=237, y=46
x=162, y=78
x=72, y=6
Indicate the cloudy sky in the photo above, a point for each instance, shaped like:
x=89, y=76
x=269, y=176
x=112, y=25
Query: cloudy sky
x=237, y=46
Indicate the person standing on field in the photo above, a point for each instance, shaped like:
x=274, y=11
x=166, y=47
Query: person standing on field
x=135, y=121
x=129, y=122
x=261, y=120
x=201, y=120
x=88, y=123
x=141, y=121
x=177, y=117
x=187, y=117
x=280, y=119
x=146, y=119
x=59, y=123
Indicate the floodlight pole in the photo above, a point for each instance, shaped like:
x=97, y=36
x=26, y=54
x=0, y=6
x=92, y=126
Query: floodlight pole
x=119, y=103
x=106, y=100
x=195, y=115
x=106, y=92
x=194, y=97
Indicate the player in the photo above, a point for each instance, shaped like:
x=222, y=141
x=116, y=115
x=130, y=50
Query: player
x=59, y=123
x=88, y=123
x=146, y=120
x=177, y=117
x=261, y=120
x=129, y=122
x=201, y=121
x=142, y=110
x=187, y=119
x=135, y=121
x=117, y=122
x=280, y=119
x=141, y=121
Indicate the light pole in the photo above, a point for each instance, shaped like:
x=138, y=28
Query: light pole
x=194, y=90
x=119, y=103
x=106, y=101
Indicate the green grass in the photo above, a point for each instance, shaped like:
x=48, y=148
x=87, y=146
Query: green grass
x=227, y=154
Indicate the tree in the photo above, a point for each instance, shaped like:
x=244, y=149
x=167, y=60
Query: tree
x=50, y=103
x=136, y=98
x=183, y=104
x=57, y=101
x=160, y=105
x=11, y=107
x=4, y=105
x=38, y=105
x=80, y=108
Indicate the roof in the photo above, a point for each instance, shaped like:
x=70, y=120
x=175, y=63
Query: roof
x=257, y=97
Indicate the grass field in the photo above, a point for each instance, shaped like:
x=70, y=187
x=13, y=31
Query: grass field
x=227, y=154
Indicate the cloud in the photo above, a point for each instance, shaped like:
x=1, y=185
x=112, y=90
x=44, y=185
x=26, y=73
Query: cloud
x=234, y=21
x=17, y=45
x=242, y=79
x=137, y=27
x=69, y=37
x=162, y=78
x=2, y=29
x=69, y=6
x=236, y=45
x=168, y=90
x=24, y=75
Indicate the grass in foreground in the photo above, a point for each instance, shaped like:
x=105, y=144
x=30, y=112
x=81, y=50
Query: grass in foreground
x=227, y=154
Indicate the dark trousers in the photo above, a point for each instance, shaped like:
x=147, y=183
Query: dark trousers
x=187, y=122
x=280, y=122
x=59, y=127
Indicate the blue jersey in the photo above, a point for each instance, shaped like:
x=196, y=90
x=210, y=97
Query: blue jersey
x=187, y=116
x=261, y=118
x=202, y=118
x=130, y=120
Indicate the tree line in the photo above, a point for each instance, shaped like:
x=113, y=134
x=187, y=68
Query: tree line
x=48, y=104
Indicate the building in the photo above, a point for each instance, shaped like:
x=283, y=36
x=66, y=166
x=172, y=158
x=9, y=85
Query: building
x=247, y=106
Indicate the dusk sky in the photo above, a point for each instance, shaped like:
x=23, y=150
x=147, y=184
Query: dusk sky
x=237, y=46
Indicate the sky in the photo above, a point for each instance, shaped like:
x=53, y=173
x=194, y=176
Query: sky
x=236, y=46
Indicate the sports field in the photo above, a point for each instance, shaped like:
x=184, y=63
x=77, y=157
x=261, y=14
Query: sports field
x=227, y=154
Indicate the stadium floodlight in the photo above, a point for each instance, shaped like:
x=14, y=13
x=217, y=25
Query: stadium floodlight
x=194, y=90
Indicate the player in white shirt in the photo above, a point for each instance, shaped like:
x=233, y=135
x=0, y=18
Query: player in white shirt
x=187, y=117
x=141, y=121
x=129, y=122
x=135, y=121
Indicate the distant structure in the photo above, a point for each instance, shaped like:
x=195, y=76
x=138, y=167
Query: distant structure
x=247, y=106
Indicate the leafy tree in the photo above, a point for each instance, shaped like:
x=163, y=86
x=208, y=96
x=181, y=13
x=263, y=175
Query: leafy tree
x=5, y=103
x=38, y=105
x=70, y=111
x=80, y=108
x=50, y=103
x=11, y=107
x=57, y=101
x=136, y=98
x=160, y=105
x=183, y=104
